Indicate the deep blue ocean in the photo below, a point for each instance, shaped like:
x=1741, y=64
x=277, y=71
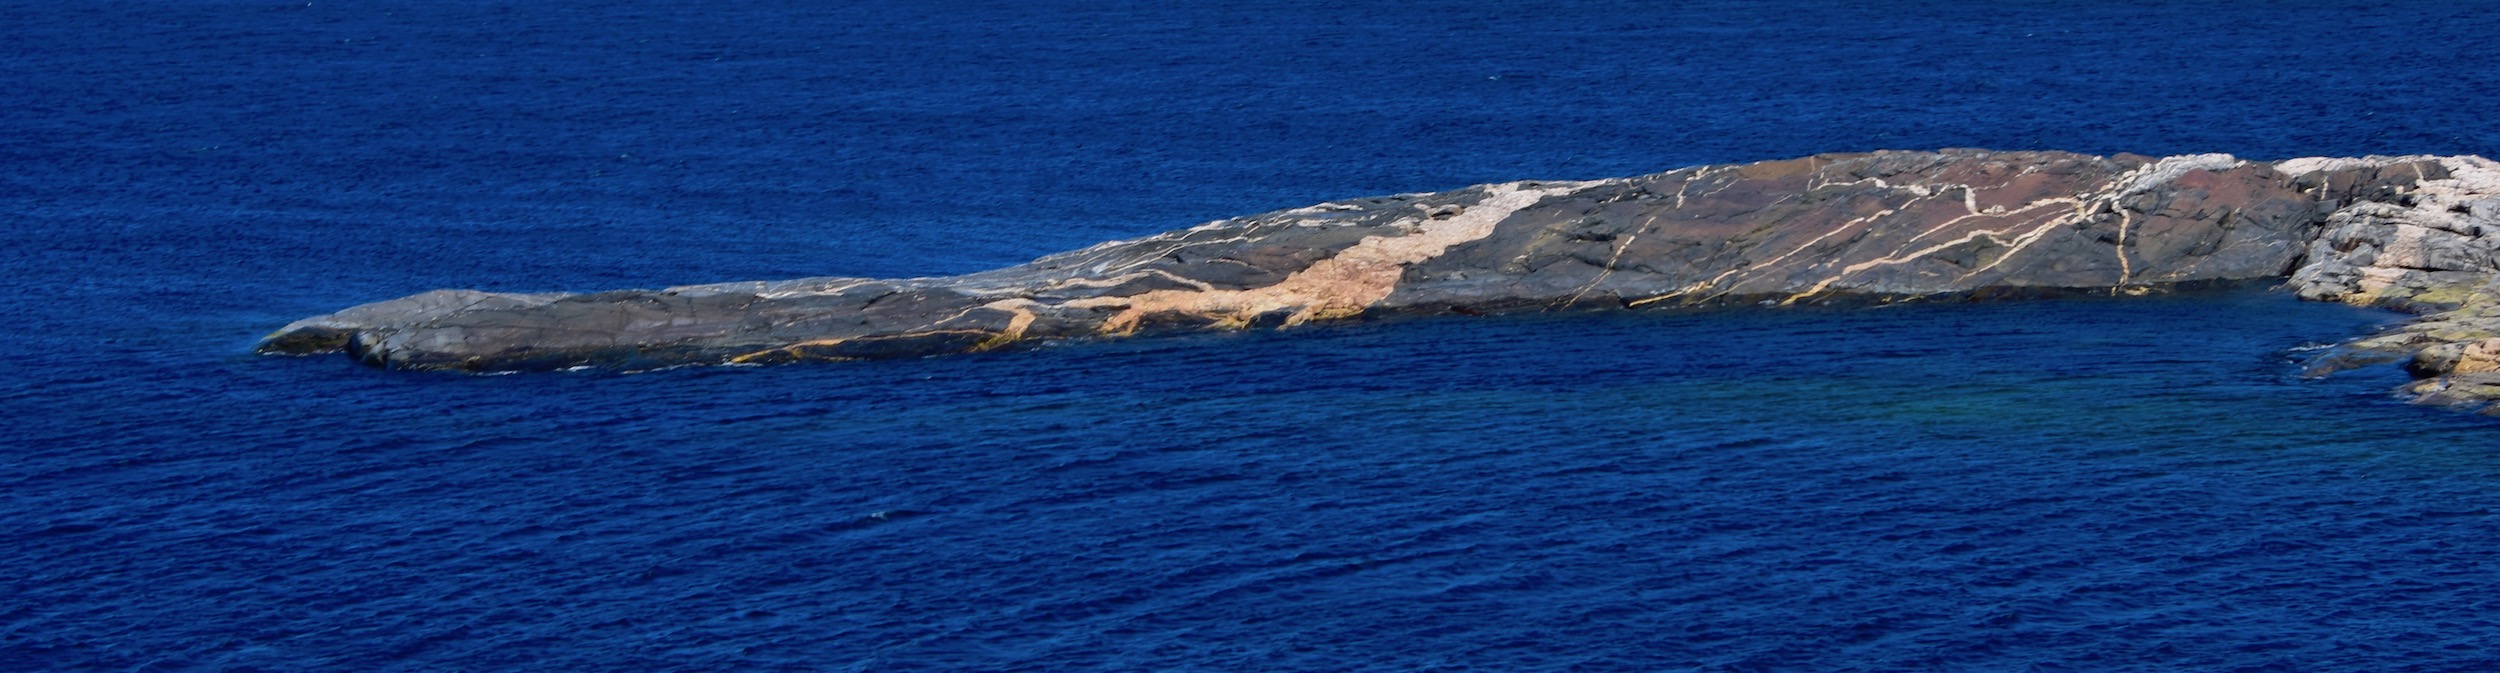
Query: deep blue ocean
x=2086, y=485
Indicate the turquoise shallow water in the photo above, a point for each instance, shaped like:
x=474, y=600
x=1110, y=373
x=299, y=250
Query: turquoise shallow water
x=2097, y=484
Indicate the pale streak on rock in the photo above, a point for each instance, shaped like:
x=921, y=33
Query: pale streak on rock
x=1339, y=286
x=1116, y=280
x=1775, y=261
x=1016, y=326
x=2027, y=238
x=2169, y=169
x=2159, y=174
x=2414, y=251
x=1899, y=258
x=2139, y=181
x=1611, y=262
x=2419, y=233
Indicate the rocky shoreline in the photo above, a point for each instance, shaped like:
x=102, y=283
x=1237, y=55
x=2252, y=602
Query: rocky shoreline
x=2417, y=233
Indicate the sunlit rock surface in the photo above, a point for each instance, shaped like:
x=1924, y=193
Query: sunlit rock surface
x=2414, y=233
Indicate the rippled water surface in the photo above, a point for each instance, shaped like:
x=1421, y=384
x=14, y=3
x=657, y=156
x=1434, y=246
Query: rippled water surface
x=2099, y=484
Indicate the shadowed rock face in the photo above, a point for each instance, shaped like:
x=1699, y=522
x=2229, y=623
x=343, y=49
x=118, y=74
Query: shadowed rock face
x=2416, y=233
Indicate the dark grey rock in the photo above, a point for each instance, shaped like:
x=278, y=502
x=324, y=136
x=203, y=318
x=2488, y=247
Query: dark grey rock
x=2415, y=233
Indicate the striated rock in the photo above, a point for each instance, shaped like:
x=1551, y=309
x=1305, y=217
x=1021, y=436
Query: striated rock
x=2428, y=246
x=2414, y=233
x=2419, y=246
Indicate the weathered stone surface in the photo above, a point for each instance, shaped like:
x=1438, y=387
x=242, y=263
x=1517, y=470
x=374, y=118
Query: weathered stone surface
x=2429, y=245
x=2422, y=246
x=2415, y=233
x=1881, y=227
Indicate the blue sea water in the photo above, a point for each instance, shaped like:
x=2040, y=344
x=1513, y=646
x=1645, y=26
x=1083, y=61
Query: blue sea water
x=2089, y=485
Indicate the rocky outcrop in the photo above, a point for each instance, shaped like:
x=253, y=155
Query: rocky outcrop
x=2431, y=247
x=2416, y=233
x=2423, y=245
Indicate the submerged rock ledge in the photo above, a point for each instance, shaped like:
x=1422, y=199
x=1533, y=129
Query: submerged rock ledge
x=2414, y=233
